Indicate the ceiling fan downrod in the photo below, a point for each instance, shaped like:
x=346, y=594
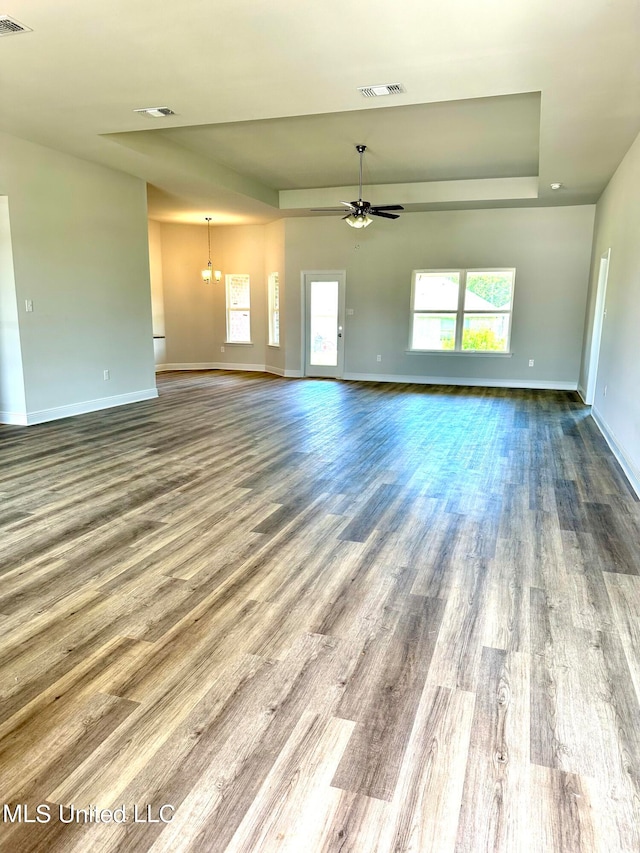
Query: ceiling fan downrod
x=360, y=149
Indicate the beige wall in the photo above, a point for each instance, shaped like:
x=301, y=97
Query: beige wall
x=195, y=313
x=617, y=227
x=550, y=248
x=80, y=253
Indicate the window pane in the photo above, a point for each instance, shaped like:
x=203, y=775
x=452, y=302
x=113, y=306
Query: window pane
x=239, y=326
x=434, y=331
x=436, y=291
x=238, y=291
x=489, y=291
x=485, y=332
x=274, y=309
x=324, y=323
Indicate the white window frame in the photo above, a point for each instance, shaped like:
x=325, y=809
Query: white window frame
x=460, y=312
x=273, y=287
x=230, y=311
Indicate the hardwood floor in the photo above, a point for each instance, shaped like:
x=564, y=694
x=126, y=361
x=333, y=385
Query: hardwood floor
x=320, y=616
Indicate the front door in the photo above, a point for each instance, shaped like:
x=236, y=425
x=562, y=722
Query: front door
x=324, y=323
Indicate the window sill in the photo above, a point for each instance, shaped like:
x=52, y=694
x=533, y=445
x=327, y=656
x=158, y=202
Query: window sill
x=466, y=354
x=274, y=346
x=238, y=343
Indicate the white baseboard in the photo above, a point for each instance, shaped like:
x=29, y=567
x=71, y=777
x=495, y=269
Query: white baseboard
x=44, y=415
x=223, y=365
x=252, y=368
x=13, y=418
x=280, y=371
x=630, y=470
x=210, y=365
x=277, y=371
x=539, y=384
x=582, y=393
x=164, y=368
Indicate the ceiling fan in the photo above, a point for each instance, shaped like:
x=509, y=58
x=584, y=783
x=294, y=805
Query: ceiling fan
x=360, y=211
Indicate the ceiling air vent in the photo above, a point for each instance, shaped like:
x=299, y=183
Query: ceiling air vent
x=156, y=112
x=9, y=26
x=379, y=91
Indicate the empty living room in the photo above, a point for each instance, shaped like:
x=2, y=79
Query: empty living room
x=320, y=427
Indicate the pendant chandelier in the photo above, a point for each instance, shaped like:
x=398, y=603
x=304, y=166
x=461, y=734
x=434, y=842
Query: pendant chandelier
x=210, y=273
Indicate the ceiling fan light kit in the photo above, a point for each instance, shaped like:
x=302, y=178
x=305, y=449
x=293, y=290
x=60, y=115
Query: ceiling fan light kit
x=358, y=220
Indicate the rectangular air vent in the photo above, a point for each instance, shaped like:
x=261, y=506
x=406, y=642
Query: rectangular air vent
x=384, y=89
x=156, y=112
x=9, y=26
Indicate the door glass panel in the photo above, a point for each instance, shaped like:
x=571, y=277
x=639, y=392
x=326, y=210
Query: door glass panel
x=324, y=323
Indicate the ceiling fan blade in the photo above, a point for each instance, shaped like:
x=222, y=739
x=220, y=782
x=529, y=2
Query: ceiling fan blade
x=347, y=203
x=373, y=212
x=326, y=210
x=387, y=207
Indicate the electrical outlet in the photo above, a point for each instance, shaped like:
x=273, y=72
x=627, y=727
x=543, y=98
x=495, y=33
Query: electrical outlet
x=378, y=358
x=28, y=305
x=221, y=349
x=531, y=362
x=106, y=375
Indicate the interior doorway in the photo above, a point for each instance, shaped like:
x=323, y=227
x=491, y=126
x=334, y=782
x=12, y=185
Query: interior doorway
x=599, y=317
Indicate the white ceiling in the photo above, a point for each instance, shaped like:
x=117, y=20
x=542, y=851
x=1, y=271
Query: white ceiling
x=266, y=98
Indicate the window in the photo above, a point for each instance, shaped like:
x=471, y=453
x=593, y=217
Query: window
x=238, y=309
x=274, y=310
x=462, y=310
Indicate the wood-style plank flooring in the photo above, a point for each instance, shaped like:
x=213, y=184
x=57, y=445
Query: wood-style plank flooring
x=320, y=617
